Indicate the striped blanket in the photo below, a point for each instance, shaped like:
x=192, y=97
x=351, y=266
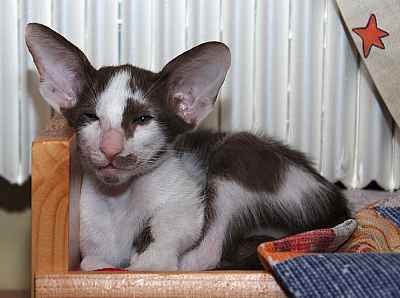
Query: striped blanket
x=365, y=265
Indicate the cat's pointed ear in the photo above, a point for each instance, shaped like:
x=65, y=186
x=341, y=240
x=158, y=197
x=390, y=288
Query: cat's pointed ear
x=194, y=79
x=62, y=67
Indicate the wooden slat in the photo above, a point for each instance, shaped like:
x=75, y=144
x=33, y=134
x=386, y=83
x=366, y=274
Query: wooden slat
x=50, y=193
x=185, y=285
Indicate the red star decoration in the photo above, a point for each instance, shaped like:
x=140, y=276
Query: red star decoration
x=371, y=35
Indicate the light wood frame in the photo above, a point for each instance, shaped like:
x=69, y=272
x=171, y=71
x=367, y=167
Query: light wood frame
x=52, y=253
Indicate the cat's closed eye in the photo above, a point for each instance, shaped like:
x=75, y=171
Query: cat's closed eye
x=90, y=117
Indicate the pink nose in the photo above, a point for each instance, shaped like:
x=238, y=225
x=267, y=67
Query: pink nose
x=112, y=143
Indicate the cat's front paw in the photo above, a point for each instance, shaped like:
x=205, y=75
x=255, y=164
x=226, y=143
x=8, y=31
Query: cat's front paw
x=92, y=263
x=153, y=262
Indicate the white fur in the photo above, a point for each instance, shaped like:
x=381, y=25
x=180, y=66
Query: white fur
x=90, y=140
x=138, y=96
x=147, y=140
x=207, y=255
x=296, y=184
x=168, y=196
x=109, y=109
x=111, y=102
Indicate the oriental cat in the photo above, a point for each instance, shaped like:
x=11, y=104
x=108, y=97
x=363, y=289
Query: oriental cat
x=161, y=194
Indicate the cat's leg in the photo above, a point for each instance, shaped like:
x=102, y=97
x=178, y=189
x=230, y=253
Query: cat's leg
x=92, y=238
x=228, y=199
x=174, y=229
x=207, y=255
x=100, y=245
x=94, y=244
x=91, y=263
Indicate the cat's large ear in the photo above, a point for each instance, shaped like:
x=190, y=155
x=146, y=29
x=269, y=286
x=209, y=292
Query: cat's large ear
x=62, y=67
x=194, y=79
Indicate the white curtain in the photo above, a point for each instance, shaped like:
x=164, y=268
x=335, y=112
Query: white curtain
x=294, y=74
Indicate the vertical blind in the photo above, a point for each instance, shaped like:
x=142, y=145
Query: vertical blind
x=294, y=75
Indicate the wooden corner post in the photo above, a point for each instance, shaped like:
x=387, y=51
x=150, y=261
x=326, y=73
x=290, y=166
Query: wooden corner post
x=50, y=199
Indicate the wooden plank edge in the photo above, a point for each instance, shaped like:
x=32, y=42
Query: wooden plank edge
x=191, y=284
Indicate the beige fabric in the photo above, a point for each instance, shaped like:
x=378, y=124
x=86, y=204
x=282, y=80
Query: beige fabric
x=382, y=64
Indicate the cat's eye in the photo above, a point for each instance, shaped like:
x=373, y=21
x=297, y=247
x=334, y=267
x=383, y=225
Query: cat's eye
x=91, y=116
x=143, y=119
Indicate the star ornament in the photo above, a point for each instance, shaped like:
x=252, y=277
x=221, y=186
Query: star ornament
x=371, y=35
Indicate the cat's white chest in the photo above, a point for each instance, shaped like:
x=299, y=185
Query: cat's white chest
x=108, y=223
x=169, y=198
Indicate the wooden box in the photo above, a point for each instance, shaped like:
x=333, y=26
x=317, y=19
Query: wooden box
x=55, y=240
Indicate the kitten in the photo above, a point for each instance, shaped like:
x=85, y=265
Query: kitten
x=161, y=195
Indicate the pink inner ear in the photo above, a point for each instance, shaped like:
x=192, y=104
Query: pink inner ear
x=185, y=107
x=182, y=107
x=193, y=111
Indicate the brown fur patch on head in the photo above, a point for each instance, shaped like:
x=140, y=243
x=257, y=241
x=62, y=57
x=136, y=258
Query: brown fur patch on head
x=132, y=111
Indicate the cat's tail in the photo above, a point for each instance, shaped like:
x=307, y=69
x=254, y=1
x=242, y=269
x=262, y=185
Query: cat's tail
x=245, y=256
